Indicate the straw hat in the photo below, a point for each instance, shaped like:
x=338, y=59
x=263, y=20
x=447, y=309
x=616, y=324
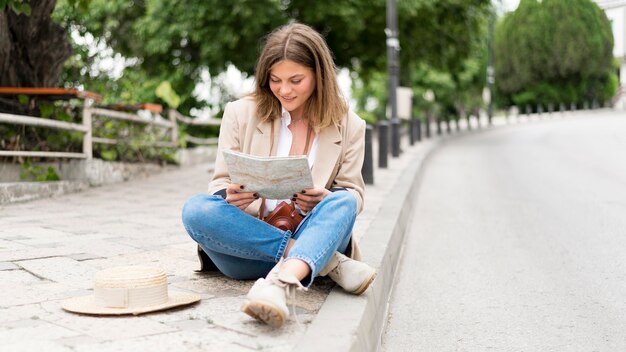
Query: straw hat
x=129, y=290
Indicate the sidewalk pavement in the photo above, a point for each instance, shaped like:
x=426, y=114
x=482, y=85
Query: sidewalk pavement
x=50, y=250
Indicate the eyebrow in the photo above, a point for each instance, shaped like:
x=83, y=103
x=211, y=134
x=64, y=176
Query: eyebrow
x=299, y=75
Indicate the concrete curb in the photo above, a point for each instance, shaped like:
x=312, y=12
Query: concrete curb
x=355, y=323
x=13, y=192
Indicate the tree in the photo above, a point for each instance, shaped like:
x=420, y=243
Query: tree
x=33, y=48
x=554, y=51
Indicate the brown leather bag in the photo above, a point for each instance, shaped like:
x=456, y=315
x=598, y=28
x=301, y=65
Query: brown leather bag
x=284, y=217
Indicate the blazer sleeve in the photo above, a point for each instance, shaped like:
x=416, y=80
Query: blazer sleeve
x=349, y=174
x=228, y=139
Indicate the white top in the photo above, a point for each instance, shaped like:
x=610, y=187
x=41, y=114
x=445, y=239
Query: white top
x=285, y=139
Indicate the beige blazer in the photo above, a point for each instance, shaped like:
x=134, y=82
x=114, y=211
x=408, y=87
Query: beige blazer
x=338, y=160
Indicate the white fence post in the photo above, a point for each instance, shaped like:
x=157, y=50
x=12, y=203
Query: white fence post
x=172, y=115
x=87, y=138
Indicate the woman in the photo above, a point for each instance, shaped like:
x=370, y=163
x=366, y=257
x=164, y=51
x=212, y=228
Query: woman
x=296, y=109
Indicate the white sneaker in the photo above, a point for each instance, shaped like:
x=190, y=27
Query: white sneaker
x=352, y=275
x=267, y=299
x=266, y=302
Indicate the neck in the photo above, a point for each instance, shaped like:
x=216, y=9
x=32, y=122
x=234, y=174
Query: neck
x=298, y=113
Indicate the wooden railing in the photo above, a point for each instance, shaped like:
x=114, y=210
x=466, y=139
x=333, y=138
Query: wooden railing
x=89, y=113
x=85, y=128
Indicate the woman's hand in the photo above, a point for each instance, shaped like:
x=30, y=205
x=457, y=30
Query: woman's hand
x=240, y=199
x=308, y=198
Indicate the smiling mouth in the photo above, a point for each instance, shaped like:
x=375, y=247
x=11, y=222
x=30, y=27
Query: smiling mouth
x=289, y=99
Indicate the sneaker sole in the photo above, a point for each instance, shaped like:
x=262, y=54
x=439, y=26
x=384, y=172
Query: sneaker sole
x=365, y=284
x=265, y=312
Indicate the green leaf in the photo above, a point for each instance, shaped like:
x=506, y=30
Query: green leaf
x=46, y=110
x=25, y=9
x=63, y=116
x=108, y=155
x=167, y=93
x=23, y=99
x=52, y=174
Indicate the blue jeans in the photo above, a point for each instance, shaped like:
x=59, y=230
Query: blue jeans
x=244, y=247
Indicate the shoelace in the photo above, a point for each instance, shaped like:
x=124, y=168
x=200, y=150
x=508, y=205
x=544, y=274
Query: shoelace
x=336, y=269
x=291, y=294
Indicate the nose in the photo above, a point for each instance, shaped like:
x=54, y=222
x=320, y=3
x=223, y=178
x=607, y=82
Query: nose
x=284, y=89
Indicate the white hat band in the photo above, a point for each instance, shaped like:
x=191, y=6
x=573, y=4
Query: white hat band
x=131, y=297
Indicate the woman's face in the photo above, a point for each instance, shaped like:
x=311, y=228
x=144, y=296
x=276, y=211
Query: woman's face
x=292, y=84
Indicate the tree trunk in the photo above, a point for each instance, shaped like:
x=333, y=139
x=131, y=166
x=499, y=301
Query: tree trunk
x=32, y=48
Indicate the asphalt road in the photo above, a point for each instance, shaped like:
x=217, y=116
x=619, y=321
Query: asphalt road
x=518, y=242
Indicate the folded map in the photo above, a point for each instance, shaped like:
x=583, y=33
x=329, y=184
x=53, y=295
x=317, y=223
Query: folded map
x=270, y=177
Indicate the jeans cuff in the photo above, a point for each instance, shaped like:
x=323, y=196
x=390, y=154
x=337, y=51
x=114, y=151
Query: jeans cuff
x=283, y=246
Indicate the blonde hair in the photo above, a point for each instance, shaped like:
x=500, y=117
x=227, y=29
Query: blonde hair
x=303, y=45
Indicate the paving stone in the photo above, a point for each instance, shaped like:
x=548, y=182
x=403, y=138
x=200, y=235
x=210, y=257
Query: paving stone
x=111, y=328
x=37, y=345
x=19, y=294
x=34, y=233
x=25, y=330
x=226, y=312
x=192, y=341
x=62, y=270
x=23, y=312
x=9, y=245
x=84, y=256
x=161, y=258
x=20, y=276
x=98, y=247
x=76, y=343
x=12, y=238
x=8, y=266
x=34, y=253
x=216, y=284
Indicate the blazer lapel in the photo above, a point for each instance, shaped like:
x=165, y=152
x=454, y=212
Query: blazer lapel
x=261, y=140
x=327, y=155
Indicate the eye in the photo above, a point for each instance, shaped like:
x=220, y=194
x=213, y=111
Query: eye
x=296, y=81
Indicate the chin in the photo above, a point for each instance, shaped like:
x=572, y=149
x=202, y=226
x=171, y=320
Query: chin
x=291, y=106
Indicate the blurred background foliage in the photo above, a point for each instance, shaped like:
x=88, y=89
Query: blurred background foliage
x=554, y=51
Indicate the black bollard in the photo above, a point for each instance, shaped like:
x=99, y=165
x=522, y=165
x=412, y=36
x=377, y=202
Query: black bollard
x=448, y=130
x=395, y=137
x=418, y=130
x=439, y=127
x=383, y=144
x=367, y=170
x=427, y=122
x=469, y=121
x=528, y=110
